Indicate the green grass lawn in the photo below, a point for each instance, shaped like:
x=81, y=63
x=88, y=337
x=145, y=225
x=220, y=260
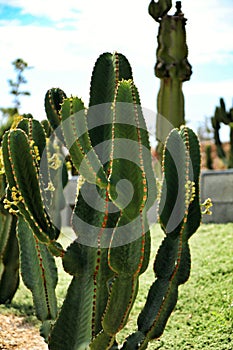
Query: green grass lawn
x=203, y=317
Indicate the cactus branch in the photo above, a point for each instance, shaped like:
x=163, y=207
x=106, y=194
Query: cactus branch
x=179, y=216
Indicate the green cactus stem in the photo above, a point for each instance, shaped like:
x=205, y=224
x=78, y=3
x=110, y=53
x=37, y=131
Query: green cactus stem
x=53, y=101
x=179, y=216
x=9, y=250
x=38, y=271
x=125, y=260
x=27, y=182
x=101, y=267
x=9, y=258
x=78, y=142
x=5, y=219
x=23, y=181
x=23, y=198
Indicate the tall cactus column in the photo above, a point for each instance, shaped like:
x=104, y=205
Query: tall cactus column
x=172, y=68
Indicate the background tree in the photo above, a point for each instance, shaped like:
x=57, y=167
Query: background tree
x=9, y=113
x=20, y=66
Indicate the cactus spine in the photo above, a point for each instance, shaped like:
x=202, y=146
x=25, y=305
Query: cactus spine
x=109, y=146
x=172, y=68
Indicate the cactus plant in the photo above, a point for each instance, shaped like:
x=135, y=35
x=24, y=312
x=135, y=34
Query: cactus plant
x=221, y=116
x=172, y=68
x=9, y=250
x=109, y=146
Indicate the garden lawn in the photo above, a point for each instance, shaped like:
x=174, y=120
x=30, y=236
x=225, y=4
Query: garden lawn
x=203, y=317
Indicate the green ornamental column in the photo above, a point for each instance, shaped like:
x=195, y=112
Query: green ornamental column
x=172, y=67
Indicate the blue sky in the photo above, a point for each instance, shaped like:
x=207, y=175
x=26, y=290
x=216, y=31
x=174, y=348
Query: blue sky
x=62, y=40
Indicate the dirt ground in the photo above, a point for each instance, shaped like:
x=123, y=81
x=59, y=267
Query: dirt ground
x=15, y=333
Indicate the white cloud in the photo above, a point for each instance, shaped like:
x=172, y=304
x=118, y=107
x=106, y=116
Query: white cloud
x=45, y=48
x=124, y=26
x=209, y=31
x=55, y=10
x=216, y=89
x=101, y=26
x=64, y=56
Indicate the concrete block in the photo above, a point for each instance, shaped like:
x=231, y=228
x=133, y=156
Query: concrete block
x=218, y=185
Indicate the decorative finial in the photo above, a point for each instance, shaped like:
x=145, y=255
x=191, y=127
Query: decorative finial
x=178, y=9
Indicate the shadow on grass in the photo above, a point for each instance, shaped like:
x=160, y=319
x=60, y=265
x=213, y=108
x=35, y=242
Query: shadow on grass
x=21, y=306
